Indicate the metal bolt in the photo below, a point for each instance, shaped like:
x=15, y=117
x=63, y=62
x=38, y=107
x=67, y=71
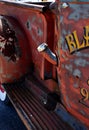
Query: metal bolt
x=42, y=47
x=45, y=102
x=65, y=5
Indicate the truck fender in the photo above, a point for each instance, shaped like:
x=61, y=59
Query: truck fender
x=14, y=54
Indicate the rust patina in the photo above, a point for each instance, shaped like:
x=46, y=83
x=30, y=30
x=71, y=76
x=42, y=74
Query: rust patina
x=74, y=58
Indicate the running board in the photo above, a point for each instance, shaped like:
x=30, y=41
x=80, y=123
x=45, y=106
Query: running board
x=23, y=96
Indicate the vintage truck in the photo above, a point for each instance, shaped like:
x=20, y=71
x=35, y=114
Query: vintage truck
x=44, y=62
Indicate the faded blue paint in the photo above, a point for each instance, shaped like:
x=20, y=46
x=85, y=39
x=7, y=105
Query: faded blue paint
x=61, y=19
x=75, y=85
x=69, y=67
x=77, y=73
x=74, y=123
x=81, y=62
x=79, y=54
x=79, y=11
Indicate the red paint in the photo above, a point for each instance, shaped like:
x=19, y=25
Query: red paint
x=1, y=89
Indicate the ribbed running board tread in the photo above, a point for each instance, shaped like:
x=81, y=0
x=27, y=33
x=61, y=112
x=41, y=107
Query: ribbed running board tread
x=31, y=111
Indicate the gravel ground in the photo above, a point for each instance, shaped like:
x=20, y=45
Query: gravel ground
x=9, y=120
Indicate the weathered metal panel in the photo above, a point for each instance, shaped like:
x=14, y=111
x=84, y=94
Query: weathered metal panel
x=73, y=69
x=13, y=51
x=36, y=26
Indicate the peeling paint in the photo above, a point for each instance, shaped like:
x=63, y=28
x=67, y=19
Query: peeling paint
x=69, y=67
x=85, y=55
x=61, y=19
x=81, y=62
x=9, y=46
x=73, y=67
x=34, y=27
x=28, y=25
x=76, y=85
x=40, y=33
x=79, y=12
x=77, y=73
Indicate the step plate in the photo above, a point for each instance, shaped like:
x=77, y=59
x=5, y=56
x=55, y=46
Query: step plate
x=31, y=111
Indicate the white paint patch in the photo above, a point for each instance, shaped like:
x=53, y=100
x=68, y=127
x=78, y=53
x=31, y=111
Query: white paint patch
x=2, y=95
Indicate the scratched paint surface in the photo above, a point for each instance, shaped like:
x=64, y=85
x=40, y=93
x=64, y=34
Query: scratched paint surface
x=13, y=54
x=74, y=60
x=38, y=27
x=35, y=27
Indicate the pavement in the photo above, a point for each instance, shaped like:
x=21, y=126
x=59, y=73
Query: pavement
x=9, y=120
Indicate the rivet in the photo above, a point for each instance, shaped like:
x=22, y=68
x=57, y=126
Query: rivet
x=65, y=5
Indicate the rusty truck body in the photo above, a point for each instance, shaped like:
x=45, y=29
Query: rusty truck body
x=44, y=62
